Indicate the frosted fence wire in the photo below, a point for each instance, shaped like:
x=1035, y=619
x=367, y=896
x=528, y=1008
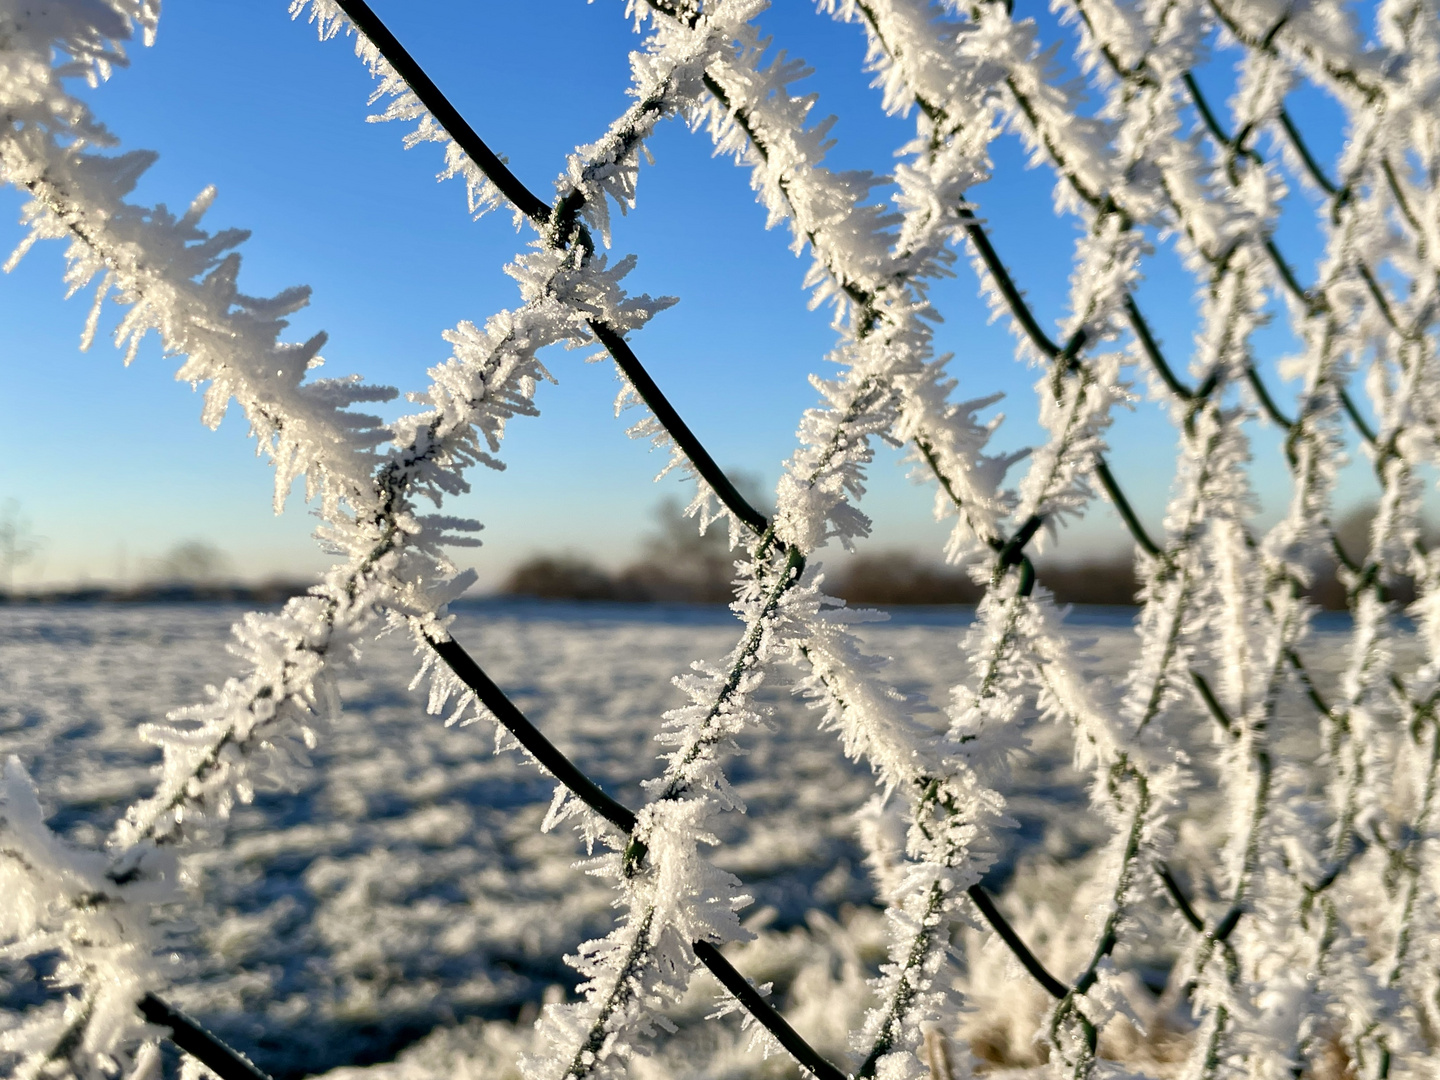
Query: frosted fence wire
x=1255, y=616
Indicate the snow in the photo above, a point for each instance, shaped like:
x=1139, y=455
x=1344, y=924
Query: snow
x=404, y=884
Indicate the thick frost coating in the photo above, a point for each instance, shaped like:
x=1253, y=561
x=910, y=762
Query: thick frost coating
x=1225, y=223
x=890, y=385
x=1224, y=620
x=96, y=914
x=953, y=76
x=369, y=480
x=1334, y=321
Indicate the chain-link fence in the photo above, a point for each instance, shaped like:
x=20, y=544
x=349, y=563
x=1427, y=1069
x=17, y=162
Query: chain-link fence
x=1143, y=157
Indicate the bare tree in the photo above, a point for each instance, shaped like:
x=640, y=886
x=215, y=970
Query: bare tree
x=192, y=561
x=18, y=545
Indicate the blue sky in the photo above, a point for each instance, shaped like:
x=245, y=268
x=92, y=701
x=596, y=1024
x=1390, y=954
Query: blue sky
x=111, y=467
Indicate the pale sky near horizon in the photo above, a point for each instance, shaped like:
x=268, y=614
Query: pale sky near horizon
x=111, y=467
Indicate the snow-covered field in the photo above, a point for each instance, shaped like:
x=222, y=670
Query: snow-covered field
x=405, y=886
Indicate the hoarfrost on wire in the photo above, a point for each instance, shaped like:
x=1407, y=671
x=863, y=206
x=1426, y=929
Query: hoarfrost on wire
x=1224, y=626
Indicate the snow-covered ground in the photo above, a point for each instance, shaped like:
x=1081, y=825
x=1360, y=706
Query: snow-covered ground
x=406, y=886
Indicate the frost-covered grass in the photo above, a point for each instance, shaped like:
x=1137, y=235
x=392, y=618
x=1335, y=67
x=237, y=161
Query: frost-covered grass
x=404, y=885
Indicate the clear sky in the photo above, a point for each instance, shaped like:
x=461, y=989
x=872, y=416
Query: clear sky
x=111, y=467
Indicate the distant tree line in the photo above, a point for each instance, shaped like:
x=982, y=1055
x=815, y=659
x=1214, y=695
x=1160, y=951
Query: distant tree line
x=681, y=566
x=882, y=579
x=191, y=570
x=677, y=564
